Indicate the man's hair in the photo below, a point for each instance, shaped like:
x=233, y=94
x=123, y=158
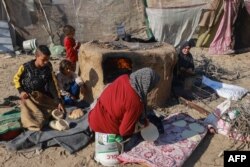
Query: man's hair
x=67, y=29
x=64, y=65
x=44, y=49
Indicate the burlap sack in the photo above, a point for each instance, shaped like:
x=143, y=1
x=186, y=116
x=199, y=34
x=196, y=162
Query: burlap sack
x=36, y=110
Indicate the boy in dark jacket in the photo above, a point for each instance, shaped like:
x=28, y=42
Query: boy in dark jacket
x=38, y=90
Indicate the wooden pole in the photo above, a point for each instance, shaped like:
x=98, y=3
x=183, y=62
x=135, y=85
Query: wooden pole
x=194, y=106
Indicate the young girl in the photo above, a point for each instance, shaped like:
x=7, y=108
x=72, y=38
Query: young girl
x=71, y=46
x=69, y=83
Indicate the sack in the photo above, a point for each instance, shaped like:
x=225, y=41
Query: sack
x=10, y=125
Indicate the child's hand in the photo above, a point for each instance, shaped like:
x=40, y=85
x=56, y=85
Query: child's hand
x=61, y=107
x=24, y=95
x=78, y=44
x=73, y=97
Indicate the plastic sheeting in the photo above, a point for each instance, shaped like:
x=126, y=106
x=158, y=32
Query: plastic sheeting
x=209, y=22
x=174, y=25
x=173, y=3
x=5, y=38
x=223, y=42
x=92, y=19
x=247, y=5
x=227, y=91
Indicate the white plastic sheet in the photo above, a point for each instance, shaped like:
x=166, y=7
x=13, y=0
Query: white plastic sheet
x=5, y=38
x=174, y=25
x=227, y=91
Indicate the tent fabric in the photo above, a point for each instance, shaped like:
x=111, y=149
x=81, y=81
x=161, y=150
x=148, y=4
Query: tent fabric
x=223, y=42
x=209, y=13
x=5, y=38
x=247, y=5
x=241, y=30
x=95, y=19
x=174, y=3
x=174, y=25
x=209, y=22
x=169, y=20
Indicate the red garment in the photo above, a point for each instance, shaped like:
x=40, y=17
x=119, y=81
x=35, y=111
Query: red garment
x=71, y=51
x=117, y=110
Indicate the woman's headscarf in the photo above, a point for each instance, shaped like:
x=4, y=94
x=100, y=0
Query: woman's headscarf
x=143, y=81
x=185, y=44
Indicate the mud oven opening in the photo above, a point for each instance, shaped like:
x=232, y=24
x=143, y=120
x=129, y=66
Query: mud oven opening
x=113, y=67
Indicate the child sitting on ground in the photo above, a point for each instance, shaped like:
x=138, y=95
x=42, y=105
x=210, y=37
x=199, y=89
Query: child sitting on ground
x=38, y=90
x=69, y=83
x=71, y=46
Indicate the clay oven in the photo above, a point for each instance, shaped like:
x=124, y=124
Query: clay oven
x=101, y=62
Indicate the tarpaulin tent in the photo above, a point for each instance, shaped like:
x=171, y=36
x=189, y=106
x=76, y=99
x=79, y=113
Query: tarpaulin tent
x=219, y=24
x=93, y=19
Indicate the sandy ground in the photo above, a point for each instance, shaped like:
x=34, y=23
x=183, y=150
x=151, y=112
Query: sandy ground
x=206, y=154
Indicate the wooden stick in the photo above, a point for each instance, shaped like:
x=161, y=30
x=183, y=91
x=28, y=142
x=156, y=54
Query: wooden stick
x=49, y=31
x=194, y=106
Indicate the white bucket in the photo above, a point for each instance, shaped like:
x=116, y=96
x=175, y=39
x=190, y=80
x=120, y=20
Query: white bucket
x=29, y=44
x=106, y=148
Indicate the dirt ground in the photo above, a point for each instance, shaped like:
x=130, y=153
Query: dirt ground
x=205, y=155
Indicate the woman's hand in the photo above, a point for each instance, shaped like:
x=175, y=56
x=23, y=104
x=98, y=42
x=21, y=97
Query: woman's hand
x=78, y=44
x=190, y=71
x=146, y=123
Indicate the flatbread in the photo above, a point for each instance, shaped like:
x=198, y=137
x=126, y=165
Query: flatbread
x=180, y=123
x=75, y=114
x=188, y=134
x=150, y=133
x=196, y=127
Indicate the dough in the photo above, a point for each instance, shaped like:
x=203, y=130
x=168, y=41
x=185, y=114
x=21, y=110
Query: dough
x=180, y=123
x=196, y=127
x=188, y=134
x=150, y=133
x=75, y=114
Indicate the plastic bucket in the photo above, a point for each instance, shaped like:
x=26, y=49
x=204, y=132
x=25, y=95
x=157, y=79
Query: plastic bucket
x=29, y=44
x=107, y=148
